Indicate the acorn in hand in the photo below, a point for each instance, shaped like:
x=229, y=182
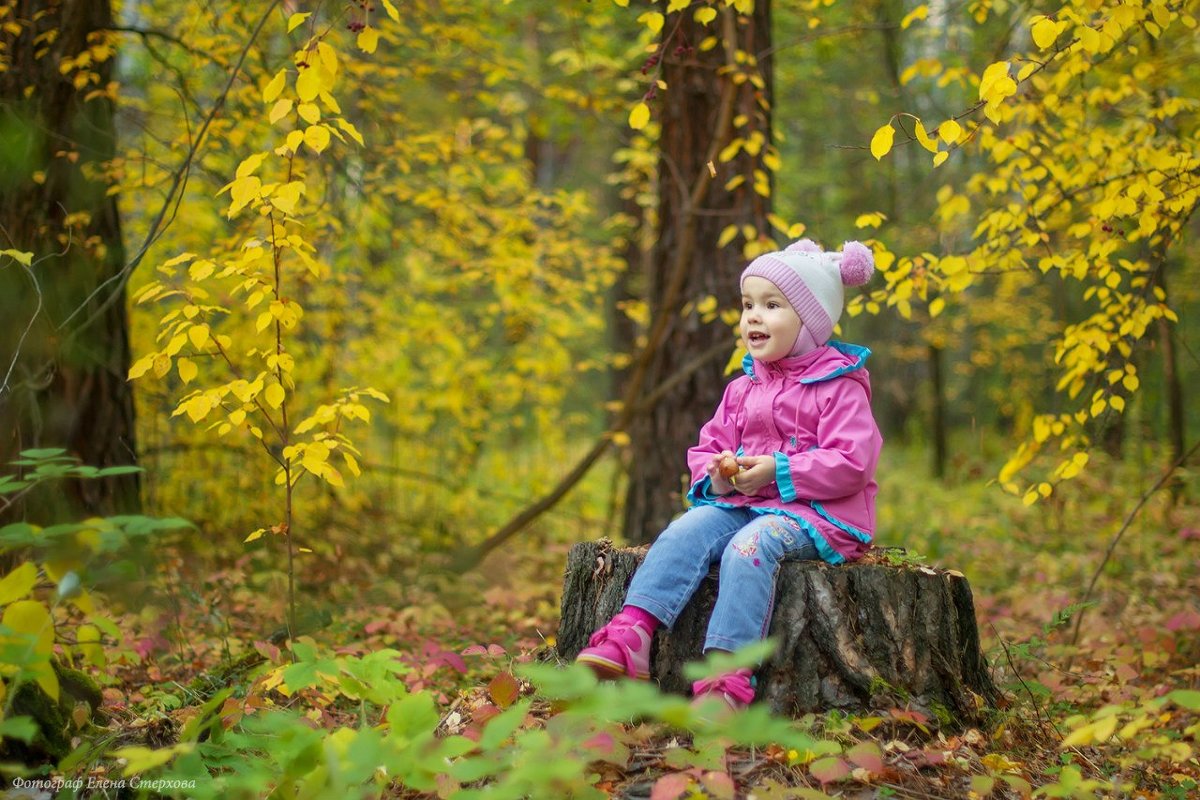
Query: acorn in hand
x=728, y=467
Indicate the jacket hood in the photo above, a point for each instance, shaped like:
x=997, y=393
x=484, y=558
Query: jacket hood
x=831, y=360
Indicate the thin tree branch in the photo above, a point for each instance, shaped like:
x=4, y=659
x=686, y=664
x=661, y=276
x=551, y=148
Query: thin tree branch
x=1116, y=539
x=122, y=276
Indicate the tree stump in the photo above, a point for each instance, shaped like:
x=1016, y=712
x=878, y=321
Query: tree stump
x=853, y=637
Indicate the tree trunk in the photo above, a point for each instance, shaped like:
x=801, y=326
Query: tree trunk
x=67, y=386
x=853, y=637
x=937, y=386
x=692, y=121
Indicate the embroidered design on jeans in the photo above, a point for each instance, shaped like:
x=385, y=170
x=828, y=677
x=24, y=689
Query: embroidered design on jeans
x=748, y=549
x=782, y=531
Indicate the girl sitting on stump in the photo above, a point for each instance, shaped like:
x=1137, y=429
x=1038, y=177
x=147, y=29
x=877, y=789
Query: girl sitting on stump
x=785, y=469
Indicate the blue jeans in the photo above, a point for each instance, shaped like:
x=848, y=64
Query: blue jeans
x=750, y=548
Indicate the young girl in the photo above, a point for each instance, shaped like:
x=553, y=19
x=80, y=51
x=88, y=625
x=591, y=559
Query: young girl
x=799, y=426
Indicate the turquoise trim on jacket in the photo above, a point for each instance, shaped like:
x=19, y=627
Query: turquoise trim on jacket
x=862, y=536
x=783, y=478
x=859, y=353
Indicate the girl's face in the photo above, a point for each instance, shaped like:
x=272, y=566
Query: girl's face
x=770, y=325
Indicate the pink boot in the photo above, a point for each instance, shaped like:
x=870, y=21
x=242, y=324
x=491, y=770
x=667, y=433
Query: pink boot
x=622, y=647
x=735, y=688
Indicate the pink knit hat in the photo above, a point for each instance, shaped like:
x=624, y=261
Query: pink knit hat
x=812, y=280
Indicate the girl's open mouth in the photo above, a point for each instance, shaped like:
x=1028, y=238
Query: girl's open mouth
x=758, y=338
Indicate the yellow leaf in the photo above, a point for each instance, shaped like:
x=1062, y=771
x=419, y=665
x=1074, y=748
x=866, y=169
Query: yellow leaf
x=349, y=128
x=368, y=40
x=677, y=5
x=286, y=197
x=881, y=142
x=18, y=583
x=940, y=158
x=255, y=535
x=1045, y=31
x=275, y=87
x=317, y=137
x=87, y=639
x=280, y=110
x=242, y=191
x=652, y=20
x=187, y=369
x=198, y=334
x=351, y=463
x=923, y=137
x=201, y=269
x=639, y=116
x=310, y=113
x=296, y=20
x=141, y=366
x=274, y=395
x=390, y=8
x=176, y=344
x=936, y=306
x=705, y=15
x=308, y=84
x=621, y=439
x=33, y=619
x=196, y=408
x=19, y=256
x=162, y=364
x=950, y=131
x=264, y=319
x=920, y=12
x=249, y=165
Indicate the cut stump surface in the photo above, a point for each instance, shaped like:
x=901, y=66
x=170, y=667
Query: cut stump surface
x=854, y=637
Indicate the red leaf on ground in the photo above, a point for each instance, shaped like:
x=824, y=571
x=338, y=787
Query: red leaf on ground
x=828, y=770
x=1188, y=620
x=267, y=650
x=504, y=689
x=475, y=650
x=670, y=787
x=484, y=713
x=867, y=756
x=718, y=784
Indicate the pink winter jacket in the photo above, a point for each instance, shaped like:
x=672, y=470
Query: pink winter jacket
x=813, y=413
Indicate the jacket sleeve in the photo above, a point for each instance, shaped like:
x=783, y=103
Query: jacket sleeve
x=719, y=433
x=848, y=443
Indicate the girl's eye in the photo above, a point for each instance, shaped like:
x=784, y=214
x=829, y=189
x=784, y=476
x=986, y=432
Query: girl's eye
x=772, y=305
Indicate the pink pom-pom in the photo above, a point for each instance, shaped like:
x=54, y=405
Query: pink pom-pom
x=858, y=263
x=803, y=246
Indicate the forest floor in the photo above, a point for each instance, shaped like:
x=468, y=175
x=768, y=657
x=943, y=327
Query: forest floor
x=1101, y=691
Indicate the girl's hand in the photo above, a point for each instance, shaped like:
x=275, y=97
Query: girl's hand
x=720, y=485
x=757, y=473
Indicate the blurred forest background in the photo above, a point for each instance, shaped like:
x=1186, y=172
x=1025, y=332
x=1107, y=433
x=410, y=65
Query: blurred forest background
x=392, y=302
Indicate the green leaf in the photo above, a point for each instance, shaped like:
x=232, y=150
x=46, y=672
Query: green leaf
x=44, y=453
x=1187, y=698
x=500, y=728
x=23, y=728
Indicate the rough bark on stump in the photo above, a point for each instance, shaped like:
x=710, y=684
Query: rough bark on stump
x=852, y=637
